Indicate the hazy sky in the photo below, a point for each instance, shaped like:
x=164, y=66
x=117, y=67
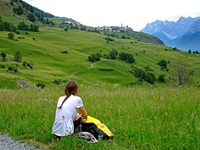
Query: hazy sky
x=134, y=13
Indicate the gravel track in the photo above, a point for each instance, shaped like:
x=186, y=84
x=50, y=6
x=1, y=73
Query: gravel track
x=8, y=143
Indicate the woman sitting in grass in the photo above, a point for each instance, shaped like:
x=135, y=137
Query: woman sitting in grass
x=67, y=116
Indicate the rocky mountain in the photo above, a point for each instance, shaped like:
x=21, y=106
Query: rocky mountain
x=195, y=27
x=183, y=34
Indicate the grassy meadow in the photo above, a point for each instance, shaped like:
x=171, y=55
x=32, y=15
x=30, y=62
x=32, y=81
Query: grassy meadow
x=139, y=117
x=46, y=51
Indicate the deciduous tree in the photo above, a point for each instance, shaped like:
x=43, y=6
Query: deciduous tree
x=182, y=73
x=18, y=56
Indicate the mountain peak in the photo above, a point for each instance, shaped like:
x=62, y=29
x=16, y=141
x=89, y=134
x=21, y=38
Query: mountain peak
x=169, y=31
x=170, y=28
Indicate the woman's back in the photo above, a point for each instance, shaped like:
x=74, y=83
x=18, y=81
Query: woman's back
x=63, y=124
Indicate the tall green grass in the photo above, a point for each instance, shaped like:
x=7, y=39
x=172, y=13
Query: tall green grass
x=139, y=117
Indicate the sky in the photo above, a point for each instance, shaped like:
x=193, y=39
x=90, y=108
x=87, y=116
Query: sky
x=133, y=13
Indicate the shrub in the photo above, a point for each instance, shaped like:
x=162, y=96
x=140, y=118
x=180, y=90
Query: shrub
x=163, y=64
x=2, y=66
x=64, y=52
x=3, y=55
x=150, y=77
x=21, y=37
x=126, y=57
x=106, y=56
x=57, y=81
x=17, y=32
x=116, y=52
x=138, y=82
x=139, y=73
x=147, y=68
x=30, y=65
x=196, y=52
x=142, y=74
x=66, y=29
x=24, y=63
x=40, y=85
x=94, y=57
x=130, y=58
x=122, y=56
x=175, y=49
x=109, y=39
x=11, y=36
x=98, y=55
x=106, y=69
x=161, y=78
x=12, y=69
x=112, y=55
x=18, y=56
x=23, y=26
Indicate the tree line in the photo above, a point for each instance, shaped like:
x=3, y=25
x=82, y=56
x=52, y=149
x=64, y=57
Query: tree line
x=34, y=13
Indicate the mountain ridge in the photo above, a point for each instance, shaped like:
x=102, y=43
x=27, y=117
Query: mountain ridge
x=177, y=34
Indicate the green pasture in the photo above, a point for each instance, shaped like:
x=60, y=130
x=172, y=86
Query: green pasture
x=57, y=54
x=140, y=117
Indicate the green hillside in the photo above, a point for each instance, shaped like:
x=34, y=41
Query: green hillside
x=57, y=55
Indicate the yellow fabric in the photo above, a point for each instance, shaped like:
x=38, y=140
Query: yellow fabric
x=99, y=125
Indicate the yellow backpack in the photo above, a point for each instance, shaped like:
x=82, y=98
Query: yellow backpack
x=96, y=128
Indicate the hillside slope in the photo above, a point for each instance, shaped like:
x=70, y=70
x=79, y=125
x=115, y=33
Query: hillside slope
x=59, y=55
x=53, y=56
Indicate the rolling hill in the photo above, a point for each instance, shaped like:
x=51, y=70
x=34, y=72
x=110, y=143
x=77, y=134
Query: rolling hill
x=54, y=55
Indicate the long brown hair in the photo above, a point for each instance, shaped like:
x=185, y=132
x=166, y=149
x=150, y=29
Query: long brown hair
x=70, y=89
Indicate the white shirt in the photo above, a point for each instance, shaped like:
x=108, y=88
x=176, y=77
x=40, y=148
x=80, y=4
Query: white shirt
x=64, y=117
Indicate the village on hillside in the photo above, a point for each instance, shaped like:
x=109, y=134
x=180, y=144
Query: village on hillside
x=115, y=28
x=103, y=28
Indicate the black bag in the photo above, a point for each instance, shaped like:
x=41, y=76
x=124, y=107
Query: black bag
x=91, y=128
x=96, y=128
